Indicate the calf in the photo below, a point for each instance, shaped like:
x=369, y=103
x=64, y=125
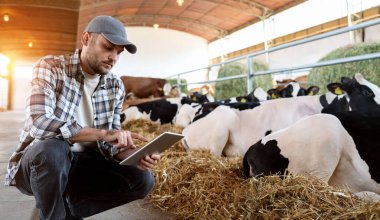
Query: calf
x=341, y=149
x=163, y=111
x=362, y=92
x=257, y=95
x=189, y=113
x=231, y=132
x=293, y=89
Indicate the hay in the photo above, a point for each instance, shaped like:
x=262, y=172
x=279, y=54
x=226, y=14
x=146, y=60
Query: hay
x=196, y=185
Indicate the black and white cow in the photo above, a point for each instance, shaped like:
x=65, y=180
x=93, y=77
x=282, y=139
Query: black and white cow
x=230, y=132
x=292, y=89
x=190, y=113
x=361, y=92
x=163, y=111
x=257, y=95
x=342, y=149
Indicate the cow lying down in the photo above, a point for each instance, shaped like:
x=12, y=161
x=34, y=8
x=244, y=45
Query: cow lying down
x=341, y=149
x=230, y=131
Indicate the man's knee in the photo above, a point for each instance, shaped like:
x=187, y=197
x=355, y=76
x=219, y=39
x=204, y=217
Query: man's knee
x=146, y=183
x=51, y=153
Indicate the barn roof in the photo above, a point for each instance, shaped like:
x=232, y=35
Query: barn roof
x=52, y=25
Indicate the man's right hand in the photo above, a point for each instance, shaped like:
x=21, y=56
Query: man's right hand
x=122, y=139
x=119, y=138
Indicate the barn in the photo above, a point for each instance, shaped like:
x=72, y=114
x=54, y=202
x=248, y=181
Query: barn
x=278, y=103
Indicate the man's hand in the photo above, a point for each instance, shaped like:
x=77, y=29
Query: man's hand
x=122, y=139
x=148, y=162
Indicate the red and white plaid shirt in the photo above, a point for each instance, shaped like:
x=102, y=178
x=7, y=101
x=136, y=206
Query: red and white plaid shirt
x=57, y=86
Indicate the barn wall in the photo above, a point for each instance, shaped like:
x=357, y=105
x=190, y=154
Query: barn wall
x=161, y=53
x=156, y=52
x=313, y=51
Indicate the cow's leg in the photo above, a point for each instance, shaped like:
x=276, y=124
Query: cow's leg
x=352, y=172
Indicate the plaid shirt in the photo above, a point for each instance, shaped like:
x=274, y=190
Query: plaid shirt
x=57, y=86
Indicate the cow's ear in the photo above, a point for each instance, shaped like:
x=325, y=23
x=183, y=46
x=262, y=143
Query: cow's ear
x=273, y=93
x=312, y=90
x=335, y=88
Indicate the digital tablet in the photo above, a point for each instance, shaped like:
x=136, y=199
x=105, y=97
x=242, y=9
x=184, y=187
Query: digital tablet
x=157, y=145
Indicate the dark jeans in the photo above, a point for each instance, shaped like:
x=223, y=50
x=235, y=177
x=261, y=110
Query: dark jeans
x=69, y=185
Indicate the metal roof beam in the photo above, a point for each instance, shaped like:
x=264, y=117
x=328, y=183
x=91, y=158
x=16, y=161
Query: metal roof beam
x=265, y=11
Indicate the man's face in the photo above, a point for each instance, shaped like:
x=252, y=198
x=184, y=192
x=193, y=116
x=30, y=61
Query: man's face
x=100, y=54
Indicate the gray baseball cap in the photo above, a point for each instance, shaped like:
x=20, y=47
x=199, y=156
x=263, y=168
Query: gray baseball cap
x=112, y=29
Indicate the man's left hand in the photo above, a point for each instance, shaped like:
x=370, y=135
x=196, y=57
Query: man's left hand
x=148, y=162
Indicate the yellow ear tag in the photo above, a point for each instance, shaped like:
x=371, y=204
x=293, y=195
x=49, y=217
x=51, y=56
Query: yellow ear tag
x=310, y=93
x=194, y=98
x=243, y=100
x=274, y=96
x=338, y=91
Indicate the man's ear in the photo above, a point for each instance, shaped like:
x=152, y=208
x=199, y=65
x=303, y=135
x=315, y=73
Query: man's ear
x=85, y=38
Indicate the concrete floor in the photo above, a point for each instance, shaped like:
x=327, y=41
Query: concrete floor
x=16, y=206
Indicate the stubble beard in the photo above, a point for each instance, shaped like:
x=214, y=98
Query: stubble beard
x=96, y=65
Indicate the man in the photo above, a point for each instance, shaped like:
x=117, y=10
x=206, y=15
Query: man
x=71, y=143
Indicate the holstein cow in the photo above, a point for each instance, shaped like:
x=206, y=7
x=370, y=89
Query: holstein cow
x=342, y=149
x=250, y=101
x=231, y=132
x=257, y=95
x=145, y=87
x=163, y=111
x=191, y=112
x=362, y=92
x=293, y=89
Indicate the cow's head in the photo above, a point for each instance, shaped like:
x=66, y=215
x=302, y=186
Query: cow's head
x=293, y=89
x=363, y=94
x=335, y=100
x=312, y=90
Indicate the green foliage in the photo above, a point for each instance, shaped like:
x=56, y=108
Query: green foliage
x=370, y=69
x=237, y=87
x=173, y=82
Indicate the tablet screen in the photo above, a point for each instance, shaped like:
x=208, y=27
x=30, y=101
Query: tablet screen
x=157, y=145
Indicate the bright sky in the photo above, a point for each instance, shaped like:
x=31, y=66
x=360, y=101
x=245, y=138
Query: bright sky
x=302, y=16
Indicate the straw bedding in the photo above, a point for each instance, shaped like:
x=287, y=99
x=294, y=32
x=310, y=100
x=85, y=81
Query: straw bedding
x=196, y=185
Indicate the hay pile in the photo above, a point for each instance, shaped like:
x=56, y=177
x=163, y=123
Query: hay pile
x=196, y=185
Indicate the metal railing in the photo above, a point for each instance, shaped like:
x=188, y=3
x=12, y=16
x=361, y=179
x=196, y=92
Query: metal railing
x=250, y=73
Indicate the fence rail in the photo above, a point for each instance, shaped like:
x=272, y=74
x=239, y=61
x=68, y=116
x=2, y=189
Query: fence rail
x=250, y=73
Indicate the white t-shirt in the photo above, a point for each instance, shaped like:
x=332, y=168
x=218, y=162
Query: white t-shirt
x=85, y=112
